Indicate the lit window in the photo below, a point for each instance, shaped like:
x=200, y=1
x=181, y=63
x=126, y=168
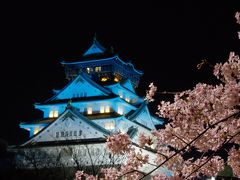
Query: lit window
x=127, y=99
x=116, y=79
x=98, y=69
x=89, y=110
x=55, y=114
x=51, y=114
x=120, y=110
x=102, y=109
x=109, y=125
x=104, y=79
x=107, y=109
x=89, y=70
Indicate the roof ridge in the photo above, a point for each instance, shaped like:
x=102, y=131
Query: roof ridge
x=137, y=111
x=95, y=48
x=83, y=75
x=72, y=110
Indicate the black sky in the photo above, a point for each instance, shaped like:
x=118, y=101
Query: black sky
x=166, y=40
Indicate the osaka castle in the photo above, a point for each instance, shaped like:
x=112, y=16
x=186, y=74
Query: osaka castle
x=99, y=100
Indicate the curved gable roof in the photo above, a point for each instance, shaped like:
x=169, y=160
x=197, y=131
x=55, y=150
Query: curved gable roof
x=95, y=48
x=72, y=113
x=80, y=79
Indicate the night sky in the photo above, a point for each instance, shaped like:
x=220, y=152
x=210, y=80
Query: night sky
x=166, y=40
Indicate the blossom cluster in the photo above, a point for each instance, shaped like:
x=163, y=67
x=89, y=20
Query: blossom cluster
x=200, y=120
x=144, y=140
x=136, y=159
x=111, y=173
x=208, y=166
x=79, y=175
x=119, y=143
x=237, y=16
x=234, y=159
x=151, y=92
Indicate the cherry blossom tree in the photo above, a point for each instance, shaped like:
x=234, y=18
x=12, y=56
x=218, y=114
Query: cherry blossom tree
x=201, y=123
x=237, y=16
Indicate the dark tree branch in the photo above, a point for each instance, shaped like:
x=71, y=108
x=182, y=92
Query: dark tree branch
x=166, y=92
x=180, y=139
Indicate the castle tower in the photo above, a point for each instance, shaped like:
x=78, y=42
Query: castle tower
x=99, y=100
x=103, y=66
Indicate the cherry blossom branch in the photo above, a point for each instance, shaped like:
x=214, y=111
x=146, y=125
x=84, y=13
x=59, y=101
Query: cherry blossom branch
x=191, y=142
x=152, y=164
x=146, y=162
x=134, y=170
x=210, y=157
x=203, y=155
x=167, y=92
x=236, y=114
x=237, y=16
x=151, y=149
x=180, y=138
x=165, y=156
x=204, y=62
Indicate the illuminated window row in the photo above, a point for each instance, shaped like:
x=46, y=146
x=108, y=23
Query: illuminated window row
x=109, y=125
x=53, y=114
x=105, y=109
x=126, y=98
x=97, y=69
x=103, y=79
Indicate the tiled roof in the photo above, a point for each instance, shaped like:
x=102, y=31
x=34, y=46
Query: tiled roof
x=66, y=142
x=78, y=99
x=40, y=121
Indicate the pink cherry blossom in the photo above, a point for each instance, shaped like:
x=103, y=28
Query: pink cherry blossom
x=111, y=173
x=144, y=140
x=90, y=177
x=234, y=159
x=164, y=177
x=119, y=143
x=78, y=175
x=237, y=16
x=150, y=93
x=204, y=119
